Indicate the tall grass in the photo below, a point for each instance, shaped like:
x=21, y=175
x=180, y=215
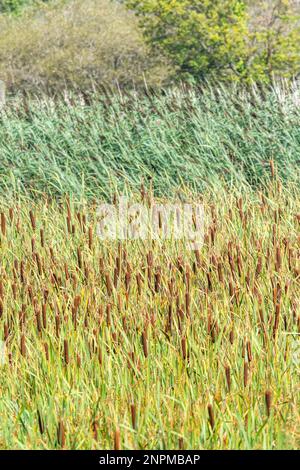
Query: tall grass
x=148, y=345
x=91, y=144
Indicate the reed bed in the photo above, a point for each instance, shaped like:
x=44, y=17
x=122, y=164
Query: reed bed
x=146, y=344
x=90, y=144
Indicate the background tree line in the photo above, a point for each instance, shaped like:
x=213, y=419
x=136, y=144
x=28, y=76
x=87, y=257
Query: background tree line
x=53, y=44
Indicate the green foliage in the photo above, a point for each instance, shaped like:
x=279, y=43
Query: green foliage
x=16, y=6
x=232, y=39
x=188, y=138
x=273, y=40
x=201, y=38
x=13, y=6
x=74, y=44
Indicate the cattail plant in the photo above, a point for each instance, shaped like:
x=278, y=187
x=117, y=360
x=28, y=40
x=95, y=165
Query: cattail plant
x=228, y=378
x=61, y=435
x=145, y=342
x=211, y=416
x=268, y=400
x=40, y=422
x=32, y=220
x=3, y=224
x=117, y=440
x=133, y=416
x=66, y=352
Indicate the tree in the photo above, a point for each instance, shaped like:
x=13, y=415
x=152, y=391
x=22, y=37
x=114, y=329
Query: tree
x=227, y=39
x=273, y=40
x=201, y=38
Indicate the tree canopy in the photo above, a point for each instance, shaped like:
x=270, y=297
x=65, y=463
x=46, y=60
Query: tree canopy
x=232, y=39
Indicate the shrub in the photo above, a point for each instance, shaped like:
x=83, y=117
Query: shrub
x=74, y=43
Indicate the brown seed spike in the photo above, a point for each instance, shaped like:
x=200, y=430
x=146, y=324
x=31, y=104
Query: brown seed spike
x=211, y=416
x=61, y=436
x=42, y=238
x=11, y=214
x=41, y=422
x=184, y=348
x=117, y=440
x=57, y=325
x=249, y=351
x=268, y=399
x=79, y=258
x=145, y=343
x=3, y=224
x=108, y=283
x=46, y=347
x=44, y=315
x=133, y=415
x=23, y=346
x=66, y=352
x=228, y=378
x=32, y=220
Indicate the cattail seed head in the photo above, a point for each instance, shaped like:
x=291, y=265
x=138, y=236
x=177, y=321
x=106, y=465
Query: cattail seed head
x=268, y=400
x=211, y=416
x=3, y=224
x=40, y=422
x=32, y=220
x=23, y=346
x=133, y=415
x=228, y=378
x=145, y=343
x=184, y=348
x=117, y=440
x=66, y=352
x=61, y=435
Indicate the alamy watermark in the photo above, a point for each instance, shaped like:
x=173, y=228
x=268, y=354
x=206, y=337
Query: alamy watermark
x=136, y=221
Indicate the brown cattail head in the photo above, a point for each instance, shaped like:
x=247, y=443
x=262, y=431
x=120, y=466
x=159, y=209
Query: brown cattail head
x=249, y=351
x=66, y=352
x=11, y=214
x=46, y=347
x=108, y=284
x=211, y=416
x=145, y=342
x=184, y=348
x=268, y=399
x=32, y=220
x=117, y=440
x=23, y=346
x=3, y=224
x=40, y=422
x=228, y=378
x=133, y=415
x=61, y=435
x=79, y=258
